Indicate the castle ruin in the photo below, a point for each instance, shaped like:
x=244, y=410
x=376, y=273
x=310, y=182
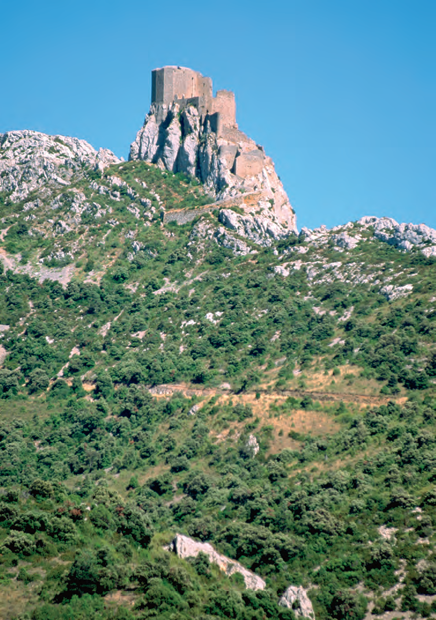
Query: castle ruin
x=189, y=130
x=186, y=87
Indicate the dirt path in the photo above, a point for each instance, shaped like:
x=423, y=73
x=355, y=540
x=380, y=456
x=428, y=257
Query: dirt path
x=8, y=262
x=188, y=390
x=4, y=232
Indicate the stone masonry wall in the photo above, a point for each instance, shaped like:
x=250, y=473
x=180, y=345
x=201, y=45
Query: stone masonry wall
x=249, y=164
x=224, y=103
x=183, y=216
x=171, y=83
x=185, y=86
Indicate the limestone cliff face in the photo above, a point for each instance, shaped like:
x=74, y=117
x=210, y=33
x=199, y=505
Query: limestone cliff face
x=224, y=159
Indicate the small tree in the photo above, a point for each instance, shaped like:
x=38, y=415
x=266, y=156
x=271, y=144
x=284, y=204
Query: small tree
x=41, y=489
x=20, y=543
x=38, y=380
x=346, y=605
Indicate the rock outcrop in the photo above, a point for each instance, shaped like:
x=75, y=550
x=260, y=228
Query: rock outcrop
x=262, y=227
x=296, y=598
x=205, y=230
x=402, y=236
x=405, y=237
x=185, y=547
x=30, y=160
x=179, y=136
x=252, y=445
x=392, y=292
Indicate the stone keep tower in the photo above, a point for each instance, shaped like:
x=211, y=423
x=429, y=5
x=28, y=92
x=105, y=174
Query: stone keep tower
x=171, y=83
x=187, y=87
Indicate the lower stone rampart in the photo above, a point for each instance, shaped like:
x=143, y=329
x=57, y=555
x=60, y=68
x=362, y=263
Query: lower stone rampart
x=183, y=216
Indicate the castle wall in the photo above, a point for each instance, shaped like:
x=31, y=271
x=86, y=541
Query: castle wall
x=171, y=83
x=183, y=216
x=215, y=122
x=224, y=103
x=186, y=86
x=157, y=85
x=249, y=164
x=228, y=154
x=185, y=83
x=235, y=136
x=205, y=89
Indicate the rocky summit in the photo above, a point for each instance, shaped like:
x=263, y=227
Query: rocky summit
x=189, y=131
x=204, y=412
x=29, y=160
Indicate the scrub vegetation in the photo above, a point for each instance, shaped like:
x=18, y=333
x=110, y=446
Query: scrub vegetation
x=138, y=359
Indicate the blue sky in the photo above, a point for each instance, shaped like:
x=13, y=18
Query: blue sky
x=342, y=94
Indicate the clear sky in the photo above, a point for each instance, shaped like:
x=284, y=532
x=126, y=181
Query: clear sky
x=341, y=93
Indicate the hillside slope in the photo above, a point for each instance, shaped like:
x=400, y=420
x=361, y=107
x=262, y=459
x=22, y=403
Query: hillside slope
x=271, y=394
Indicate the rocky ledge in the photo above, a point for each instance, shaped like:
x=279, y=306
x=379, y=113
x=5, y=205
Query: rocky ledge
x=185, y=547
x=405, y=237
x=30, y=160
x=296, y=598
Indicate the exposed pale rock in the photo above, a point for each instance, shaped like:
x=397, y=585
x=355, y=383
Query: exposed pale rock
x=211, y=167
x=214, y=317
x=202, y=230
x=296, y=598
x=317, y=236
x=146, y=144
x=3, y=354
x=344, y=240
x=105, y=158
x=252, y=445
x=347, y=314
x=134, y=210
x=387, y=533
x=227, y=154
x=188, y=153
x=262, y=229
x=282, y=270
x=173, y=134
x=187, y=159
x=392, y=292
x=228, y=241
x=29, y=160
x=205, y=230
x=429, y=251
x=185, y=547
x=403, y=236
